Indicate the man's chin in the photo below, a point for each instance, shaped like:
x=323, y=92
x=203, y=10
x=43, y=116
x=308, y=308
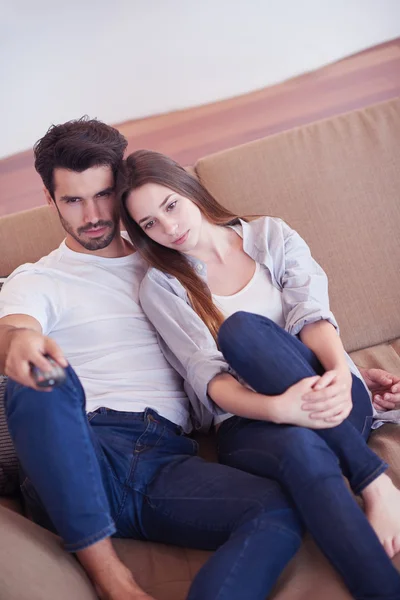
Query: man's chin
x=97, y=243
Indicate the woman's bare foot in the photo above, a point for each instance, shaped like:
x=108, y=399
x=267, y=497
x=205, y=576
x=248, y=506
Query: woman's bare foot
x=382, y=508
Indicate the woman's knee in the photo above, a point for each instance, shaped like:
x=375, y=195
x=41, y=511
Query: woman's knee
x=241, y=329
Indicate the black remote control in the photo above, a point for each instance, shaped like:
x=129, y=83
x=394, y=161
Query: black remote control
x=53, y=378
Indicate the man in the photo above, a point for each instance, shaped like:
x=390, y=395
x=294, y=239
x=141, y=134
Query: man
x=104, y=454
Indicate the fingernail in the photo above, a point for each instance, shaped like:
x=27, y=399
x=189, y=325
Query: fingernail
x=378, y=397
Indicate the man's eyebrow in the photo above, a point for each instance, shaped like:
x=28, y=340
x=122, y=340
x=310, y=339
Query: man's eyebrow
x=108, y=190
x=105, y=191
x=161, y=205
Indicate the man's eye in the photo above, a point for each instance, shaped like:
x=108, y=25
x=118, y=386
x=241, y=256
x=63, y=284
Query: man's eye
x=172, y=205
x=72, y=200
x=149, y=225
x=104, y=194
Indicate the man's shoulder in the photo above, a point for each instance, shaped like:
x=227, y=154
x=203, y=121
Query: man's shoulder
x=41, y=265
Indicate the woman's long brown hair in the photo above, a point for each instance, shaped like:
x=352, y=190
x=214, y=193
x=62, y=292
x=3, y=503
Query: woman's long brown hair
x=145, y=166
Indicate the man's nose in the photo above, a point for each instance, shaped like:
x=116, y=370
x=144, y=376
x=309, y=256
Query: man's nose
x=91, y=213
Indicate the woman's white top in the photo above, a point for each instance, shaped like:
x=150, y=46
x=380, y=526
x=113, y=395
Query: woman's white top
x=259, y=296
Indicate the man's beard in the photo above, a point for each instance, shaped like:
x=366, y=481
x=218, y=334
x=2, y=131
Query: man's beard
x=91, y=244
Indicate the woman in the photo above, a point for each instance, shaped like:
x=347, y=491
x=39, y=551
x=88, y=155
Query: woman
x=282, y=390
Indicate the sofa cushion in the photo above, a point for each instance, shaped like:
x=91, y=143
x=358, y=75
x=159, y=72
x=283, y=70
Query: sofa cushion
x=27, y=236
x=337, y=183
x=8, y=459
x=9, y=483
x=34, y=564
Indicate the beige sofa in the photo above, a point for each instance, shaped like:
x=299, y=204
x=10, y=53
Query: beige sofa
x=338, y=183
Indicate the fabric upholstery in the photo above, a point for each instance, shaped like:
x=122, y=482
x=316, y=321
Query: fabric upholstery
x=337, y=183
x=8, y=458
x=27, y=236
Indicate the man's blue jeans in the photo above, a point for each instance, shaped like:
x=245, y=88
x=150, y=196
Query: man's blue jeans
x=308, y=463
x=135, y=475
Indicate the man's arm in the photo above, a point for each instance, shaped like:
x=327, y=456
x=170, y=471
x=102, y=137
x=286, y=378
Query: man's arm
x=22, y=344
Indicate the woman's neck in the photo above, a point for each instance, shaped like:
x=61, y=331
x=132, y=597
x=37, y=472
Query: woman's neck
x=215, y=243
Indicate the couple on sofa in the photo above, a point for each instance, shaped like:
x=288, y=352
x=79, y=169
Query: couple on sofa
x=195, y=319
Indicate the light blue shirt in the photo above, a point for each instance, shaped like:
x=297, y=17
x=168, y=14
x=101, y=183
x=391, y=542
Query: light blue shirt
x=186, y=341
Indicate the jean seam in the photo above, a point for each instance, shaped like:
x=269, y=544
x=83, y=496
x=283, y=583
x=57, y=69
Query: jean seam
x=370, y=478
x=92, y=539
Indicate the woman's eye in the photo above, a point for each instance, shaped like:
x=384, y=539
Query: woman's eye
x=149, y=225
x=172, y=205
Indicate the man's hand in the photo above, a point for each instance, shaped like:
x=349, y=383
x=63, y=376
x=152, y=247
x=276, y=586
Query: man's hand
x=385, y=388
x=330, y=397
x=27, y=347
x=292, y=411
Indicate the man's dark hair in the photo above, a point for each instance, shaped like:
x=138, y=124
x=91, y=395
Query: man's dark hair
x=78, y=145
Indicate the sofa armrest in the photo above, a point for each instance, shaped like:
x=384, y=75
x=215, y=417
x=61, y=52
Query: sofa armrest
x=34, y=565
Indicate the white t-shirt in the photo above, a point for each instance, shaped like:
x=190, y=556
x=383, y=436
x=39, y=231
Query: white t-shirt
x=259, y=296
x=90, y=306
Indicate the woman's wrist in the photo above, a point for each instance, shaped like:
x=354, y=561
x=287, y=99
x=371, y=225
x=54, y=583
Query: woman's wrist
x=272, y=408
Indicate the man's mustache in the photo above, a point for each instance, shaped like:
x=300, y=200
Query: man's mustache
x=97, y=225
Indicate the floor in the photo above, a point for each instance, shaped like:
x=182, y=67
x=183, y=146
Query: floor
x=360, y=80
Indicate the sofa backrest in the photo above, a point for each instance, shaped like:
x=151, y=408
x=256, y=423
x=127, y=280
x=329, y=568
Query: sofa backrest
x=27, y=236
x=337, y=182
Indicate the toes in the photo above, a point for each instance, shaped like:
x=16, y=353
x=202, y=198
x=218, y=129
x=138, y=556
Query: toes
x=396, y=544
x=388, y=545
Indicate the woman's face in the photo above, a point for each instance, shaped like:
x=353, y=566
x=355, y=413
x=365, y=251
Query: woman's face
x=165, y=216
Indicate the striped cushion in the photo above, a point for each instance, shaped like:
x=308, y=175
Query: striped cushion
x=8, y=458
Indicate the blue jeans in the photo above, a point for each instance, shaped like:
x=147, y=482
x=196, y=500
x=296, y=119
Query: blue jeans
x=308, y=463
x=135, y=475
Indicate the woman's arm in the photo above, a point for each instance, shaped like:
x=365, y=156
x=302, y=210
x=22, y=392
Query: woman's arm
x=334, y=388
x=307, y=312
x=286, y=408
x=322, y=338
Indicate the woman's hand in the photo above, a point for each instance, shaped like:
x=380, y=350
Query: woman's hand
x=330, y=397
x=292, y=409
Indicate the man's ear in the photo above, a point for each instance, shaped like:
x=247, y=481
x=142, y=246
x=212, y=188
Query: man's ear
x=49, y=199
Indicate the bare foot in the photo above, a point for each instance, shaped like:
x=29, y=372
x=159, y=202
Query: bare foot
x=128, y=590
x=382, y=508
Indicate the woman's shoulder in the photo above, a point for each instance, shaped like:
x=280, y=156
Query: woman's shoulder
x=155, y=279
x=266, y=229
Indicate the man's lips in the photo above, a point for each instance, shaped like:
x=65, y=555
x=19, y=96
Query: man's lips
x=96, y=232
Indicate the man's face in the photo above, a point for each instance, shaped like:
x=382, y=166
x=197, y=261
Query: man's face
x=87, y=207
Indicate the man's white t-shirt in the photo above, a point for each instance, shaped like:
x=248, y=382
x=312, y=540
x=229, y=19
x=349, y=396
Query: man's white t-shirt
x=90, y=306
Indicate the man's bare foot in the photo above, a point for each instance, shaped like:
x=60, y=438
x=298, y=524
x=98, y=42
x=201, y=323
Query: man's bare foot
x=110, y=577
x=382, y=508
x=121, y=589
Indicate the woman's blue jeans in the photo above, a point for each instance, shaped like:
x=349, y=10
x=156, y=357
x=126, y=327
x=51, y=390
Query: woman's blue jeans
x=135, y=475
x=308, y=463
